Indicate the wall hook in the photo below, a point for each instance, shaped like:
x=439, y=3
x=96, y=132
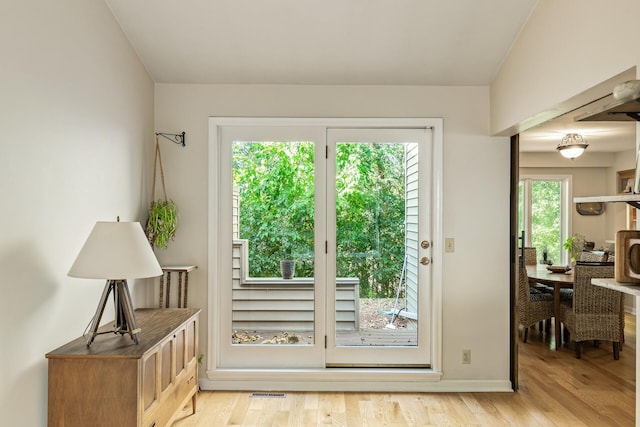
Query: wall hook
x=176, y=138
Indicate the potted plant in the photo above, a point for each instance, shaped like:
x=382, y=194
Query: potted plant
x=287, y=264
x=574, y=245
x=162, y=223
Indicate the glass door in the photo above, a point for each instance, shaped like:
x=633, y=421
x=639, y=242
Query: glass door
x=322, y=246
x=379, y=247
x=272, y=305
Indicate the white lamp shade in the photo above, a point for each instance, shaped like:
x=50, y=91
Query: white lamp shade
x=572, y=152
x=116, y=251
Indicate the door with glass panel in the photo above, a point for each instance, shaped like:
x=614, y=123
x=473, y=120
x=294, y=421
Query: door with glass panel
x=272, y=247
x=379, y=246
x=325, y=250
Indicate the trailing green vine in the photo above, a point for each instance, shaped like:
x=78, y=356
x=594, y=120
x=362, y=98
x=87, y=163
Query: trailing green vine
x=162, y=223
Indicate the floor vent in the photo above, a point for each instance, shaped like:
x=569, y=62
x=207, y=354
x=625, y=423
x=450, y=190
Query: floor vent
x=280, y=395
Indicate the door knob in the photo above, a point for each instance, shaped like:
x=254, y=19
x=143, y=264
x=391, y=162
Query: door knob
x=424, y=260
x=425, y=244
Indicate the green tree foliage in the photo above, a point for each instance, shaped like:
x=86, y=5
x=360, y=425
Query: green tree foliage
x=545, y=214
x=275, y=181
x=370, y=215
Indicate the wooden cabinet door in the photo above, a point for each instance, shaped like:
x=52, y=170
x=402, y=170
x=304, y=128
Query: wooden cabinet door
x=180, y=339
x=150, y=392
x=192, y=340
x=167, y=374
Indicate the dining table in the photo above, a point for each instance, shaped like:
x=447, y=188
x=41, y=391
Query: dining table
x=541, y=274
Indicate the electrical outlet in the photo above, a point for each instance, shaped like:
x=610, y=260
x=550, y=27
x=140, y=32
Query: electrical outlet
x=466, y=357
x=449, y=244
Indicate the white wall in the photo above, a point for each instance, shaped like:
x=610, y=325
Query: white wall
x=566, y=48
x=476, y=195
x=75, y=112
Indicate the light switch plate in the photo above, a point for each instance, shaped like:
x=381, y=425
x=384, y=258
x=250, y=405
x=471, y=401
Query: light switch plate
x=449, y=244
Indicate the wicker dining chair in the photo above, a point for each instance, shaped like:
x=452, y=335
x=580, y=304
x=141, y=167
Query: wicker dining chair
x=593, y=257
x=530, y=256
x=611, y=257
x=532, y=307
x=594, y=313
x=566, y=294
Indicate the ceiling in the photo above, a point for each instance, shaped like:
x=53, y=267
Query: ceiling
x=364, y=42
x=610, y=136
x=340, y=42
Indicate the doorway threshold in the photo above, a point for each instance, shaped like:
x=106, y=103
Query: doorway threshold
x=327, y=379
x=345, y=380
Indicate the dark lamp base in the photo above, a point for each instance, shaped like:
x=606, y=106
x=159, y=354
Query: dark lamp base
x=125, y=322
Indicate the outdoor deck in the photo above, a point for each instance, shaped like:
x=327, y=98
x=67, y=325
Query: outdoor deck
x=378, y=337
x=368, y=337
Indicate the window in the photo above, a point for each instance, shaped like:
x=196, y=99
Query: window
x=543, y=214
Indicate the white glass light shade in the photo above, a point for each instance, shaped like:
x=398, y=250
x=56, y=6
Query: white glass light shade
x=116, y=251
x=572, y=146
x=571, y=152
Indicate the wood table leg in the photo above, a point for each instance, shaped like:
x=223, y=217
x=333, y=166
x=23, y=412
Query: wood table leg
x=186, y=288
x=168, y=287
x=161, y=290
x=180, y=289
x=556, y=312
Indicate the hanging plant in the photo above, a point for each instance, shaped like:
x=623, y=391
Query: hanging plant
x=162, y=222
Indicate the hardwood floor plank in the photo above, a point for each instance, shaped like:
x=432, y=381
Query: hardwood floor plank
x=294, y=403
x=414, y=413
x=239, y=410
x=556, y=389
x=352, y=408
x=325, y=411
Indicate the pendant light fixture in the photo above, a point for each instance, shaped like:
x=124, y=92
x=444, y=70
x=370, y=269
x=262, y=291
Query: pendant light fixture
x=572, y=146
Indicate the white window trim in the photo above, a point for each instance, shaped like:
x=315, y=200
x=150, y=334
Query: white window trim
x=331, y=378
x=567, y=202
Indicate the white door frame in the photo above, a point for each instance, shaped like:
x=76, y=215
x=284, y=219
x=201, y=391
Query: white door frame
x=302, y=378
x=415, y=355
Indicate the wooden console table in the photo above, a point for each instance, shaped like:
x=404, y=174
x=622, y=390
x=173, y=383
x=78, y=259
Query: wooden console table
x=183, y=284
x=116, y=383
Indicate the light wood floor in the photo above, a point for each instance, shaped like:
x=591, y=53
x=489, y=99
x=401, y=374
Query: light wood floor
x=556, y=389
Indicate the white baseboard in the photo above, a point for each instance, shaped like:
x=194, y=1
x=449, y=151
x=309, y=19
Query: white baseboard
x=348, y=381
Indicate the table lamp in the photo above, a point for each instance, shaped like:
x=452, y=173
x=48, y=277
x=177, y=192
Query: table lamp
x=116, y=251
